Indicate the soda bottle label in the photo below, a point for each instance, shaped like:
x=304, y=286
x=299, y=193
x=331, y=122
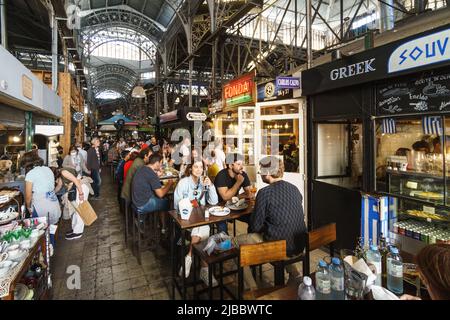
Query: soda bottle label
x=396, y=270
x=323, y=286
x=337, y=284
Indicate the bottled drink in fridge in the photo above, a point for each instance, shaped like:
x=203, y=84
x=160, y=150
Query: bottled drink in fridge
x=394, y=271
x=306, y=290
x=323, y=285
x=337, y=280
x=373, y=256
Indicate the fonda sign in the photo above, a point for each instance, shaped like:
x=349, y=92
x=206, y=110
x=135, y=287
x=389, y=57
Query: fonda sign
x=239, y=91
x=421, y=52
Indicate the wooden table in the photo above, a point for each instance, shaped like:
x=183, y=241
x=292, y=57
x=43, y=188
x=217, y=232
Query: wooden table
x=197, y=219
x=290, y=291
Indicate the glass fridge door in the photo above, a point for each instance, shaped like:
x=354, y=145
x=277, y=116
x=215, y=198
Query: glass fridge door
x=246, y=145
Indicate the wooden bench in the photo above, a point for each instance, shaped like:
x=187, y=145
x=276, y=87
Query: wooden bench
x=258, y=254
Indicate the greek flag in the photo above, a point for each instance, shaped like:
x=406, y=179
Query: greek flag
x=432, y=125
x=388, y=126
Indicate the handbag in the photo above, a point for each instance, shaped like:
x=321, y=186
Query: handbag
x=86, y=212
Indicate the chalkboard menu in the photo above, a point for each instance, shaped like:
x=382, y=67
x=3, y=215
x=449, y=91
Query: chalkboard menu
x=428, y=94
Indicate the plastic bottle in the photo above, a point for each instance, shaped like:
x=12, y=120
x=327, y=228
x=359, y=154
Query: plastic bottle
x=323, y=284
x=337, y=280
x=306, y=290
x=373, y=256
x=394, y=272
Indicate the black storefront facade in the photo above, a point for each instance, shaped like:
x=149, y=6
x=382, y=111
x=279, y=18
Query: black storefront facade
x=365, y=112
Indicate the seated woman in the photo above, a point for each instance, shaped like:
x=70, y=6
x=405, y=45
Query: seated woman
x=433, y=263
x=201, y=189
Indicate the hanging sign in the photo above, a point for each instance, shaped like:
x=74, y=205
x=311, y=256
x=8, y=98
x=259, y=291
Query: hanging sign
x=78, y=116
x=196, y=116
x=269, y=92
x=239, y=91
x=49, y=130
x=287, y=83
x=169, y=116
x=421, y=52
x=427, y=51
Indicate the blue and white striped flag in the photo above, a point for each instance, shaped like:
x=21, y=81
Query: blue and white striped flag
x=388, y=126
x=432, y=125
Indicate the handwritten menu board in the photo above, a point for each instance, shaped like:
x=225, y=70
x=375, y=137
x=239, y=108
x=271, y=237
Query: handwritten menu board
x=425, y=95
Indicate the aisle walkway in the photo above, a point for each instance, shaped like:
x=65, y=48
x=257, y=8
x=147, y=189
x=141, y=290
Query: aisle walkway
x=108, y=270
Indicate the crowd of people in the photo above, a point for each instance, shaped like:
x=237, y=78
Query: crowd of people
x=203, y=178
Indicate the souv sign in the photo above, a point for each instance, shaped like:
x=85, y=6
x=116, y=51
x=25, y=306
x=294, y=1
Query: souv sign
x=352, y=70
x=421, y=52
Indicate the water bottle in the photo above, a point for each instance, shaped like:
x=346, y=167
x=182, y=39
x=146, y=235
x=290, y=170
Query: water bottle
x=373, y=256
x=337, y=280
x=306, y=290
x=394, y=272
x=323, y=284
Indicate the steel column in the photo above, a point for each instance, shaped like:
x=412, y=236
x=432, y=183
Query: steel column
x=54, y=25
x=4, y=36
x=308, y=34
x=29, y=132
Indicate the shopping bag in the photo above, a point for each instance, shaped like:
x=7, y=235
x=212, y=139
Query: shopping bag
x=86, y=213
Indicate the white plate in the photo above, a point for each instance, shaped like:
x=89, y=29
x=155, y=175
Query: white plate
x=233, y=207
x=22, y=255
x=8, y=217
x=219, y=211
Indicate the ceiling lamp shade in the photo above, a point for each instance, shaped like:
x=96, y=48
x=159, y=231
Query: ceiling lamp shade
x=138, y=92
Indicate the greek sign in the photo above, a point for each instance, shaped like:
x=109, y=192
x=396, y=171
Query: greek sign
x=421, y=52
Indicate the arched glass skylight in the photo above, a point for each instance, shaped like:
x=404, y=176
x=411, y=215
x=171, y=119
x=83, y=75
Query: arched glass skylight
x=118, y=43
x=118, y=50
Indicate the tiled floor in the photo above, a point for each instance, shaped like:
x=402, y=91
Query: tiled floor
x=108, y=270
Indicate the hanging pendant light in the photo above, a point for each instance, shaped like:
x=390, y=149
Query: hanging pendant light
x=138, y=91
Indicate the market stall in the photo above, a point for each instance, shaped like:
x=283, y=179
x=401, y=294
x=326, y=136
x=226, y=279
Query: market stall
x=25, y=264
x=378, y=126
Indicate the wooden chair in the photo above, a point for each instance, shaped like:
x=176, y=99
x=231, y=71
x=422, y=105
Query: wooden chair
x=316, y=238
x=258, y=254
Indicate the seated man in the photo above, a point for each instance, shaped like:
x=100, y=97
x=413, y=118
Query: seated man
x=230, y=180
x=278, y=215
x=147, y=192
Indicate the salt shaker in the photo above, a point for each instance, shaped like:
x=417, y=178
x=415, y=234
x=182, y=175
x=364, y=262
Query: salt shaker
x=207, y=214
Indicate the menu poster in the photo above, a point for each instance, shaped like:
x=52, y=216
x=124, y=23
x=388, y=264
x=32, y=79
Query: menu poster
x=429, y=94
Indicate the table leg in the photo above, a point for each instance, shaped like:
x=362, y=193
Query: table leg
x=183, y=263
x=210, y=274
x=172, y=255
x=221, y=279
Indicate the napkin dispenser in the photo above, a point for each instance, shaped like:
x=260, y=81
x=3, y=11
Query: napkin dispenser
x=185, y=208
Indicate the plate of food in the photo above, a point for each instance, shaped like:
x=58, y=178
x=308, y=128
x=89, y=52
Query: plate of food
x=219, y=211
x=236, y=204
